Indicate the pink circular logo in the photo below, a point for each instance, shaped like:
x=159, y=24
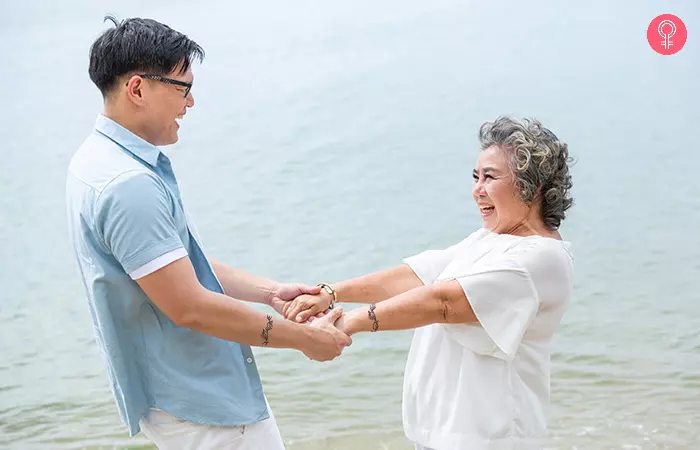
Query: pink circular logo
x=667, y=34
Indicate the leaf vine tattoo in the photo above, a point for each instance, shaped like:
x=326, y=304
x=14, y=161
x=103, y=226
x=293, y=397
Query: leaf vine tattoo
x=373, y=317
x=266, y=331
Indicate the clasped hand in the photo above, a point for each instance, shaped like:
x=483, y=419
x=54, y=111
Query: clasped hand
x=303, y=304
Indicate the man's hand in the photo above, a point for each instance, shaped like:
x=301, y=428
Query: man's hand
x=285, y=293
x=306, y=307
x=328, y=341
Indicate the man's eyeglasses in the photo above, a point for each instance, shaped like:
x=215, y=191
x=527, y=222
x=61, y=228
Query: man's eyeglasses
x=184, y=84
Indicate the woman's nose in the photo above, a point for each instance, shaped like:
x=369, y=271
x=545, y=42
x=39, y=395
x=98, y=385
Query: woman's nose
x=478, y=189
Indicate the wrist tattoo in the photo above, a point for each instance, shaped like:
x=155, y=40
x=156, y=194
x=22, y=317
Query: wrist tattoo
x=373, y=317
x=266, y=331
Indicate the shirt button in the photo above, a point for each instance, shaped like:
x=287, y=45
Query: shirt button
x=250, y=360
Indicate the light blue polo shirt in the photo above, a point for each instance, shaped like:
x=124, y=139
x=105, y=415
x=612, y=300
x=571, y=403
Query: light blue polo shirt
x=126, y=219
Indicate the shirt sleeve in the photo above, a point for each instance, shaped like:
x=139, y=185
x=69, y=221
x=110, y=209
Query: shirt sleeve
x=134, y=219
x=428, y=265
x=504, y=299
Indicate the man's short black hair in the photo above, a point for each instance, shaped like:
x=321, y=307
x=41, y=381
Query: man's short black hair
x=142, y=45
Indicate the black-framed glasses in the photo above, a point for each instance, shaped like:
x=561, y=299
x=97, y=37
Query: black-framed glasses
x=184, y=84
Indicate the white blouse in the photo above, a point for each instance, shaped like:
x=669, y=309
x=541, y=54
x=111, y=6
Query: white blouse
x=486, y=385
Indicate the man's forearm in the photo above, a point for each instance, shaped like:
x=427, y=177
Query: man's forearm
x=218, y=315
x=243, y=285
x=412, y=309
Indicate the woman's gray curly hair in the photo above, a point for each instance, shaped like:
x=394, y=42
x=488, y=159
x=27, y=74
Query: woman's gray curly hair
x=539, y=162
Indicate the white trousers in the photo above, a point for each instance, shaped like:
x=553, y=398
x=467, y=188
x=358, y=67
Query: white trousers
x=170, y=433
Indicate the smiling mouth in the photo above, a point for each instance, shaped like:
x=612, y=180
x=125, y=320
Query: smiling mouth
x=486, y=210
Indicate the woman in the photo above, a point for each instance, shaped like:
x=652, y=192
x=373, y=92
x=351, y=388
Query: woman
x=485, y=309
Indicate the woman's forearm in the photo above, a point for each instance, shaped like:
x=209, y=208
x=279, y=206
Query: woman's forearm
x=438, y=303
x=372, y=288
x=377, y=287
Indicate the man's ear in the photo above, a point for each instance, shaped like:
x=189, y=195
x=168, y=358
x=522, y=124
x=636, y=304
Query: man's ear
x=135, y=89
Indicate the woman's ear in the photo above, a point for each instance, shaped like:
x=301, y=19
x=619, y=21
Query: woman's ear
x=538, y=193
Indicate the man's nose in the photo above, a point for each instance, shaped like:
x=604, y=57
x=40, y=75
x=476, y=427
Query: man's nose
x=190, y=100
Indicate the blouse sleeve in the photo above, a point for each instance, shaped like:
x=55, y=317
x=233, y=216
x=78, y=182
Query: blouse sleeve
x=505, y=294
x=504, y=301
x=428, y=265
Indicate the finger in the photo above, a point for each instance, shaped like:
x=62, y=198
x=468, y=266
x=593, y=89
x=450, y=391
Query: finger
x=321, y=314
x=333, y=315
x=298, y=306
x=346, y=341
x=303, y=316
x=289, y=308
x=285, y=308
x=312, y=290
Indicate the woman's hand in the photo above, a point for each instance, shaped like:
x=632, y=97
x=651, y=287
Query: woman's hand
x=306, y=307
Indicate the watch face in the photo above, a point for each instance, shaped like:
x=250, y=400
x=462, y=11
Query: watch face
x=328, y=289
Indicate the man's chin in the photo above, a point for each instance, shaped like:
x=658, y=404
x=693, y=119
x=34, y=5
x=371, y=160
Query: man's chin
x=169, y=141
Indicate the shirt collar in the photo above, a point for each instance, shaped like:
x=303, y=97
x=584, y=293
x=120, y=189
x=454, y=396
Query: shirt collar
x=128, y=140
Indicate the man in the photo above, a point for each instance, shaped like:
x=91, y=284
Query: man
x=176, y=344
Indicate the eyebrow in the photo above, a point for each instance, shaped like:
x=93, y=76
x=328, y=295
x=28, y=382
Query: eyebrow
x=488, y=169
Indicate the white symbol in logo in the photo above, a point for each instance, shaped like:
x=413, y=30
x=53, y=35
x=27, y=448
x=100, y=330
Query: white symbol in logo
x=666, y=43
